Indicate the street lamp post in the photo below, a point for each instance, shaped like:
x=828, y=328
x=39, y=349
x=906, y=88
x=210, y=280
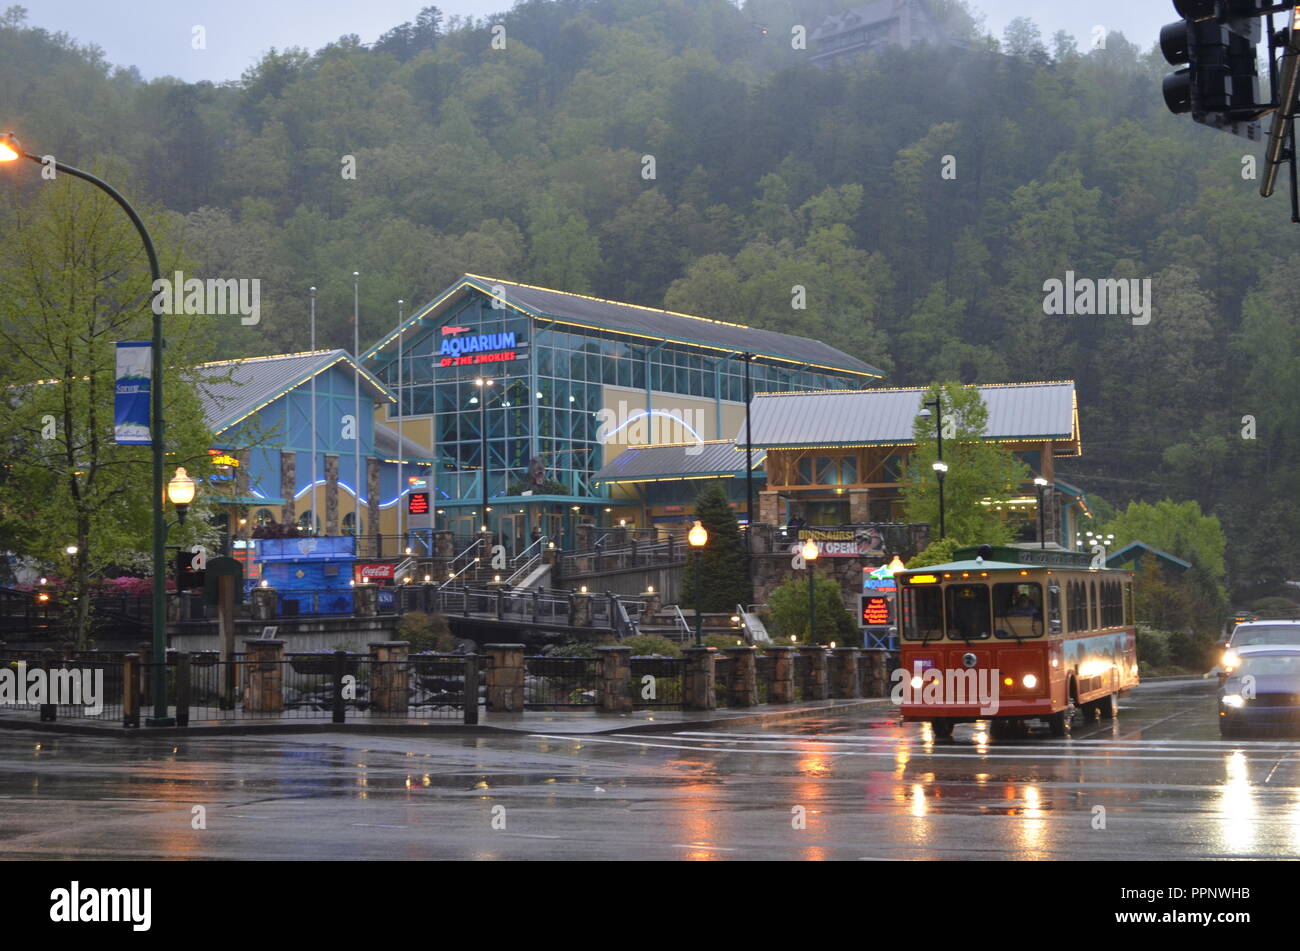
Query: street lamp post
x=941, y=470
x=483, y=383
x=10, y=151
x=698, y=536
x=1041, y=483
x=940, y=467
x=810, y=552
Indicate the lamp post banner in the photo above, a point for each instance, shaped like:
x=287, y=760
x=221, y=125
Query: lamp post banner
x=131, y=394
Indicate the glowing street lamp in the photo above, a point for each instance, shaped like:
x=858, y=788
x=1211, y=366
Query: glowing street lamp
x=698, y=537
x=180, y=492
x=810, y=552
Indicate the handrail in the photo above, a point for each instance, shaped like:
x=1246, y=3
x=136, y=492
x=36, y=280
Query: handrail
x=456, y=574
x=403, y=566
x=681, y=619
x=524, y=554
x=523, y=570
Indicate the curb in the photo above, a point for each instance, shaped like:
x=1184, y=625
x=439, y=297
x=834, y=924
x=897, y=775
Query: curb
x=437, y=728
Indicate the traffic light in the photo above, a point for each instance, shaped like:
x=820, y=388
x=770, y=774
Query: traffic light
x=1216, y=44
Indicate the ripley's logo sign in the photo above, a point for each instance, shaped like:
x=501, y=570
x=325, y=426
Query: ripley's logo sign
x=481, y=348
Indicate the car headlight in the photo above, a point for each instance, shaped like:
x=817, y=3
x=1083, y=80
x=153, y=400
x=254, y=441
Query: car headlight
x=1030, y=681
x=1231, y=660
x=1232, y=700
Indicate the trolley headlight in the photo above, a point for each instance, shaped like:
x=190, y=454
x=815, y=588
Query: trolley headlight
x=1230, y=660
x=1232, y=700
x=1030, y=681
x=916, y=683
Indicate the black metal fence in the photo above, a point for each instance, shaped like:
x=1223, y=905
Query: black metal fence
x=552, y=683
x=658, y=682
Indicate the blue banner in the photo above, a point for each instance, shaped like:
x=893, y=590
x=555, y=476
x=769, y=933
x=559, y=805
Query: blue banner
x=131, y=396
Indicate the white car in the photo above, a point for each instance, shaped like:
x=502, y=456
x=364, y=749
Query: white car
x=1255, y=634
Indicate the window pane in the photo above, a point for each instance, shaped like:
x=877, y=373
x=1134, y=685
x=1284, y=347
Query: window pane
x=1018, y=610
x=968, y=611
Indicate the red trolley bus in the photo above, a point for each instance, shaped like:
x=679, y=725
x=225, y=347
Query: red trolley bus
x=1011, y=635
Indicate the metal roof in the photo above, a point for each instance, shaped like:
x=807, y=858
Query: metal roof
x=651, y=322
x=886, y=417
x=1133, y=551
x=387, y=440
x=716, y=457
x=232, y=390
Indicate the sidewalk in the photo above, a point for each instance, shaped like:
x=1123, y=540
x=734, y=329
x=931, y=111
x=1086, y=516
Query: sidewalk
x=576, y=722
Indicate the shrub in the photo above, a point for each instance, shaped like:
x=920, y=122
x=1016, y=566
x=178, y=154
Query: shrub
x=722, y=641
x=938, y=552
x=578, y=649
x=649, y=645
x=425, y=632
x=1152, y=647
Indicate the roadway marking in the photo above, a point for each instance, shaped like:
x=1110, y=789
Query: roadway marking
x=1089, y=745
x=973, y=752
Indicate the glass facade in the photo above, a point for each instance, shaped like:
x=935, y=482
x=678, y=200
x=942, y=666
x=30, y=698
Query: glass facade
x=547, y=392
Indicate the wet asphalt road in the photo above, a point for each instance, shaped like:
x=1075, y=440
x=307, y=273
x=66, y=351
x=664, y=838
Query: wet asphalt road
x=866, y=787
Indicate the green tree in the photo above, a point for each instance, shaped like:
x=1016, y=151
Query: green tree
x=72, y=284
x=788, y=605
x=721, y=569
x=980, y=474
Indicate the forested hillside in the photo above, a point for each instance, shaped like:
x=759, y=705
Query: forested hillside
x=529, y=162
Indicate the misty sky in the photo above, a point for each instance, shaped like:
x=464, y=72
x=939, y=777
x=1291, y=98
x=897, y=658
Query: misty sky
x=154, y=35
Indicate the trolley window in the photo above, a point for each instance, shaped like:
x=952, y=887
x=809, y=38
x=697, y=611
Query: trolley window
x=1018, y=610
x=922, y=613
x=969, y=614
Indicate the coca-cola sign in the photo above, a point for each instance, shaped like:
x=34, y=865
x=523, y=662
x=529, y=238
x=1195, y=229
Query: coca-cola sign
x=376, y=572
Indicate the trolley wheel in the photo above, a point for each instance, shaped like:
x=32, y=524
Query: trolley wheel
x=1227, y=730
x=942, y=729
x=1059, y=723
x=1108, y=706
x=1002, y=728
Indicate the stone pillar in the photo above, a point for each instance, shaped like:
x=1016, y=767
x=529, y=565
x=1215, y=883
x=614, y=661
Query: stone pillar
x=331, y=493
x=876, y=682
x=581, y=610
x=263, y=602
x=814, y=687
x=844, y=681
x=264, y=691
x=781, y=689
x=389, y=677
x=615, y=675
x=859, y=506
x=700, y=674
x=585, y=536
x=372, y=501
x=288, y=486
x=769, y=508
x=653, y=603
x=761, y=533
x=505, y=678
x=742, y=690
x=365, y=599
